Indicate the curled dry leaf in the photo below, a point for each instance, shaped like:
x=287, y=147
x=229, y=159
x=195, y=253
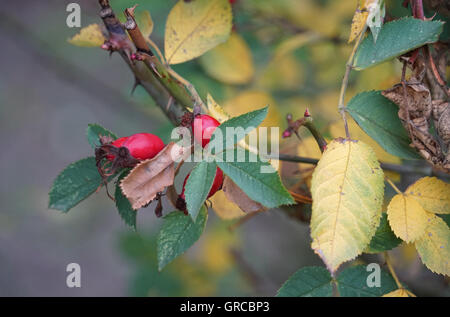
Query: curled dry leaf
x=441, y=116
x=416, y=110
x=417, y=103
x=422, y=100
x=237, y=196
x=152, y=176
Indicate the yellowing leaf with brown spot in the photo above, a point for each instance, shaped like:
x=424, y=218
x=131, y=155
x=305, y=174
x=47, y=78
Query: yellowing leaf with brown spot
x=434, y=246
x=347, y=191
x=358, y=23
x=230, y=62
x=194, y=27
x=432, y=194
x=406, y=217
x=89, y=36
x=397, y=293
x=224, y=208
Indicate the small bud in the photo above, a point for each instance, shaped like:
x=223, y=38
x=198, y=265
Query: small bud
x=287, y=133
x=306, y=114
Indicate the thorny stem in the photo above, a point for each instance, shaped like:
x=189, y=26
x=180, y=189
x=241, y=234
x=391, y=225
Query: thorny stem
x=418, y=9
x=393, y=185
x=391, y=270
x=144, y=76
x=173, y=86
x=348, y=69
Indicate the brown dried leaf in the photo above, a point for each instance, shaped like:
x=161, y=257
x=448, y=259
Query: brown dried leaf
x=172, y=195
x=441, y=116
x=152, y=176
x=415, y=102
x=237, y=196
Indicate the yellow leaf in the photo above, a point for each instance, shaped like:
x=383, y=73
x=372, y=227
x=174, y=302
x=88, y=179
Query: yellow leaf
x=230, y=62
x=337, y=130
x=215, y=110
x=295, y=42
x=397, y=293
x=434, y=246
x=358, y=23
x=407, y=218
x=224, y=208
x=194, y=27
x=432, y=194
x=145, y=22
x=89, y=36
x=282, y=74
x=347, y=190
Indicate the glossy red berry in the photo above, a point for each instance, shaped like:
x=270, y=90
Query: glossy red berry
x=216, y=186
x=203, y=127
x=143, y=146
x=117, y=143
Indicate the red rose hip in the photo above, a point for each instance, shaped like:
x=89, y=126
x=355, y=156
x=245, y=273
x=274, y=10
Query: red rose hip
x=203, y=127
x=143, y=146
x=216, y=186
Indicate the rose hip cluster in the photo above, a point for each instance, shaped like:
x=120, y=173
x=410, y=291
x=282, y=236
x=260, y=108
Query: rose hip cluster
x=126, y=152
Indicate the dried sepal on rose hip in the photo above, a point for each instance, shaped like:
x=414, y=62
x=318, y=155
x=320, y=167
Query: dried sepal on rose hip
x=216, y=186
x=125, y=152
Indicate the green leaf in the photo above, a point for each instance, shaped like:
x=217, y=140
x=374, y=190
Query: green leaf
x=198, y=186
x=378, y=117
x=310, y=281
x=253, y=178
x=352, y=282
x=126, y=212
x=395, y=39
x=244, y=123
x=74, y=184
x=93, y=132
x=384, y=239
x=178, y=233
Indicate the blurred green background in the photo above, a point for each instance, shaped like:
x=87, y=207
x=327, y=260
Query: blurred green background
x=51, y=90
